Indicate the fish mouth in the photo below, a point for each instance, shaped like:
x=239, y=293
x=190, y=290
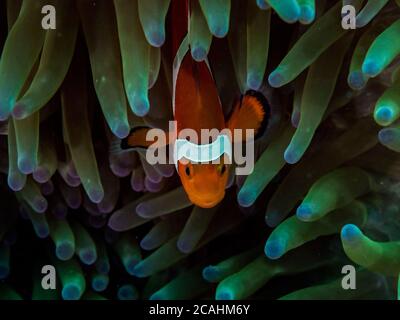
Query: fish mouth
x=207, y=203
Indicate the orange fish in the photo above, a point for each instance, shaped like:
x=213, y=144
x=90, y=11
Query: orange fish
x=197, y=106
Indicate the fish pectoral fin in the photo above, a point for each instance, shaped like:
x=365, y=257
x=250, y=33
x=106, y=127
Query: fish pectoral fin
x=137, y=138
x=251, y=112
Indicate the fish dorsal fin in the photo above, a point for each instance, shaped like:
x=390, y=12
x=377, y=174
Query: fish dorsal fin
x=182, y=51
x=181, y=54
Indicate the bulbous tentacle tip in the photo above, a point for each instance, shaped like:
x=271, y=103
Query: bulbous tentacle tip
x=88, y=256
x=386, y=136
x=305, y=212
x=140, y=105
x=253, y=81
x=142, y=209
x=291, y=156
x=371, y=68
x=156, y=38
x=356, y=80
x=16, y=183
x=99, y=284
x=291, y=13
x=156, y=296
x=26, y=165
x=246, y=198
x=43, y=232
x=121, y=130
x=19, y=111
x=96, y=195
x=210, y=273
x=145, y=244
x=74, y=202
x=127, y=294
x=130, y=266
x=121, y=172
x=263, y=5
x=361, y=23
x=224, y=295
x=40, y=204
x=47, y=189
x=41, y=174
x=199, y=54
x=71, y=292
x=276, y=79
x=184, y=246
x=65, y=251
x=384, y=115
x=307, y=14
x=113, y=224
x=274, y=249
x=138, y=271
x=292, y=19
x=350, y=233
x=219, y=30
x=105, y=207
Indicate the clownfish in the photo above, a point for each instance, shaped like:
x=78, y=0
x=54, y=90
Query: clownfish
x=196, y=106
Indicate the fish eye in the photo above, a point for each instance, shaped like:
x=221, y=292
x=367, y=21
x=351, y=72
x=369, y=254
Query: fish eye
x=187, y=171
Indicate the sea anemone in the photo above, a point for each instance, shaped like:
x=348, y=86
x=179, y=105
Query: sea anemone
x=323, y=194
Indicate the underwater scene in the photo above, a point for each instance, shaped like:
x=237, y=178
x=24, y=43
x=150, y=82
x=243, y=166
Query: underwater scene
x=108, y=194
